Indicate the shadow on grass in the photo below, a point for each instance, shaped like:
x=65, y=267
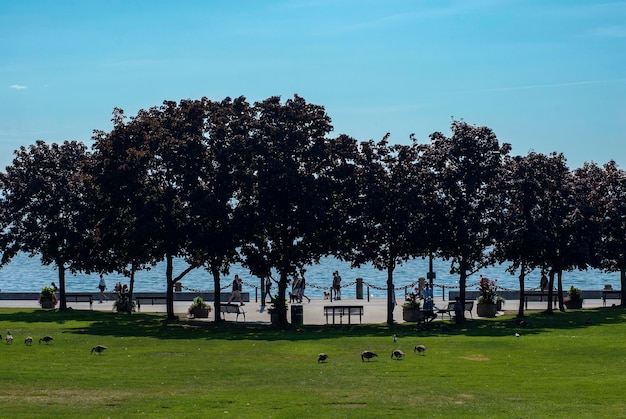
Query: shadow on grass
x=100, y=323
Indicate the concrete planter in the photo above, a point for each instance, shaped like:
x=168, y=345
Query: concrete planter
x=412, y=314
x=199, y=313
x=574, y=304
x=486, y=310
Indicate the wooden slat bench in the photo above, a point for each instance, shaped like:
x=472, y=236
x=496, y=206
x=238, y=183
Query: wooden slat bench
x=79, y=298
x=469, y=306
x=343, y=311
x=152, y=299
x=232, y=308
x=610, y=294
x=540, y=296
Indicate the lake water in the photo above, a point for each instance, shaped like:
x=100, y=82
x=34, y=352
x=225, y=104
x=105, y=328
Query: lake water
x=26, y=274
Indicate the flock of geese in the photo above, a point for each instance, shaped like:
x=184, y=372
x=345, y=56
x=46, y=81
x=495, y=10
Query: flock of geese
x=47, y=339
x=397, y=354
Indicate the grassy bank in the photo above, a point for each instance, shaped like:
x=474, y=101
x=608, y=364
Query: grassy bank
x=565, y=365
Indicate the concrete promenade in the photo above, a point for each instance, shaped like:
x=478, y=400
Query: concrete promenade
x=375, y=310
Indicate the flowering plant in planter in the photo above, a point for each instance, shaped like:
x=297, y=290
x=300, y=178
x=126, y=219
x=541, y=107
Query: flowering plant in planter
x=123, y=302
x=574, y=299
x=488, y=291
x=199, y=308
x=47, y=296
x=411, y=302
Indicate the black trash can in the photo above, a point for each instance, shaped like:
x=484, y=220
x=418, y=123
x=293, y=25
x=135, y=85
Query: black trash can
x=359, y=288
x=297, y=315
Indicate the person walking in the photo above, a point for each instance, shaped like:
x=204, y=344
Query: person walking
x=268, y=287
x=102, y=285
x=296, y=290
x=303, y=286
x=236, y=293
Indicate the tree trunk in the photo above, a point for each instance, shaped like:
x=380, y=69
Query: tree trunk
x=280, y=304
x=560, y=289
x=131, y=288
x=390, y=293
x=462, y=286
x=622, y=284
x=62, y=302
x=550, y=291
x=522, y=277
x=217, y=287
x=169, y=274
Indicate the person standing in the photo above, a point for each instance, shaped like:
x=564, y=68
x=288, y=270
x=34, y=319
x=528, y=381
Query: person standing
x=268, y=287
x=236, y=293
x=303, y=286
x=296, y=290
x=543, y=284
x=337, y=285
x=458, y=310
x=428, y=298
x=56, y=289
x=102, y=285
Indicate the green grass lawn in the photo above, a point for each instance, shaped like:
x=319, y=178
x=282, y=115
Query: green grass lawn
x=560, y=366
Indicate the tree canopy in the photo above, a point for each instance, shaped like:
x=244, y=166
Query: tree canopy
x=212, y=183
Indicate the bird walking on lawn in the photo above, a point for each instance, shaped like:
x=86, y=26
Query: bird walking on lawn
x=9, y=337
x=420, y=349
x=46, y=339
x=28, y=341
x=367, y=354
x=397, y=353
x=98, y=349
x=322, y=358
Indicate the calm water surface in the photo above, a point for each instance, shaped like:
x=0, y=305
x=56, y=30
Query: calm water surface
x=26, y=274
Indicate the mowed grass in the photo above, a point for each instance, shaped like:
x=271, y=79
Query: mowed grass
x=565, y=365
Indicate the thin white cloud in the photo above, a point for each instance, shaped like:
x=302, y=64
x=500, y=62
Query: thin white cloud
x=18, y=86
x=611, y=32
x=542, y=86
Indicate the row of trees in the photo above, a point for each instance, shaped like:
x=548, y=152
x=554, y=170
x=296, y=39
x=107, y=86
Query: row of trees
x=263, y=184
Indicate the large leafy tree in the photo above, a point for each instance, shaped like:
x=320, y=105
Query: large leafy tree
x=611, y=197
x=288, y=202
x=467, y=167
x=147, y=168
x=390, y=210
x=569, y=229
x=44, y=208
x=216, y=215
x=528, y=189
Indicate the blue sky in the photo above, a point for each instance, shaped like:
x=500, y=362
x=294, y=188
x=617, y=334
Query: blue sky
x=544, y=75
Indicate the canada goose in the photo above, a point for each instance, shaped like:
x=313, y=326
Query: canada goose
x=28, y=341
x=9, y=337
x=46, y=339
x=420, y=349
x=367, y=354
x=322, y=357
x=397, y=353
x=98, y=349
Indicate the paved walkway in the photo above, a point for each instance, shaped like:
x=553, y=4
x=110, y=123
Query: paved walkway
x=375, y=310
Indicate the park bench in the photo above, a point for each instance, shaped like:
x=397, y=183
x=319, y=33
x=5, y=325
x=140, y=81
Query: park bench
x=540, y=296
x=79, y=298
x=152, y=299
x=469, y=306
x=343, y=311
x=234, y=309
x=610, y=294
